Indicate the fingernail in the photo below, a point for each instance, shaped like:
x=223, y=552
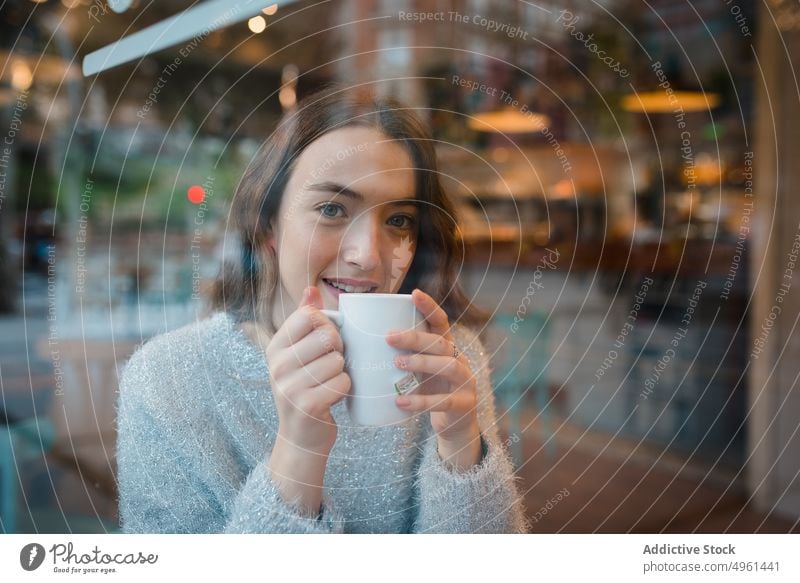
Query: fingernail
x=401, y=361
x=403, y=401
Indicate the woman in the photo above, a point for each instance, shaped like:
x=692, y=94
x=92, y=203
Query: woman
x=238, y=423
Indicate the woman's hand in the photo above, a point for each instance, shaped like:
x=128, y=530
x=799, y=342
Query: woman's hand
x=306, y=367
x=448, y=388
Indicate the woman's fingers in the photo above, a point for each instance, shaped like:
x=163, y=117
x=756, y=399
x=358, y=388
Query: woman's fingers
x=457, y=402
x=315, y=402
x=318, y=372
x=312, y=297
x=424, y=342
x=316, y=343
x=432, y=312
x=301, y=322
x=447, y=367
x=334, y=389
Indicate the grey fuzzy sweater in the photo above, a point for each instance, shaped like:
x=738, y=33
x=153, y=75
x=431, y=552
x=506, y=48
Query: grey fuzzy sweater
x=197, y=422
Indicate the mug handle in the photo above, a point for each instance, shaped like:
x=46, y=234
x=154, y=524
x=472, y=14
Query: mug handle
x=335, y=316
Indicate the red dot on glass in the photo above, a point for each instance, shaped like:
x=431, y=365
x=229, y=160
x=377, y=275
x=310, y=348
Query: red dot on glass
x=196, y=194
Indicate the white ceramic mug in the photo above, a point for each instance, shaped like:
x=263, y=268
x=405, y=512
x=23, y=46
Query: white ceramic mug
x=364, y=320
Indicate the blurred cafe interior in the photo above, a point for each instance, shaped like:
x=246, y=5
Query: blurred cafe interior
x=623, y=173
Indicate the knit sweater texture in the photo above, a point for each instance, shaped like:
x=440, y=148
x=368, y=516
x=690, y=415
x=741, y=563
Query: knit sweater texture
x=197, y=422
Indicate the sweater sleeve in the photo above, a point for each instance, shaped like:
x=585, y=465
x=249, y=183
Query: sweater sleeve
x=483, y=499
x=165, y=483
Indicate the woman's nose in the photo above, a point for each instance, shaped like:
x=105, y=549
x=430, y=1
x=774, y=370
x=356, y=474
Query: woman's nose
x=361, y=246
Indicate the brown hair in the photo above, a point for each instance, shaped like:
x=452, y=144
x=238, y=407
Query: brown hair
x=246, y=288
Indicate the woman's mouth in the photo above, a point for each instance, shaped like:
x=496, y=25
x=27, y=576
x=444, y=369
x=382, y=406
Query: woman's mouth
x=344, y=286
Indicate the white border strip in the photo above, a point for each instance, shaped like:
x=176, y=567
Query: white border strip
x=766, y=558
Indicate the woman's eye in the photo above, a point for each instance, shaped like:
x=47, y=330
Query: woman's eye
x=402, y=221
x=330, y=210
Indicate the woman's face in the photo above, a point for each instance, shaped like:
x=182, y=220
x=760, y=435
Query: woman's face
x=347, y=221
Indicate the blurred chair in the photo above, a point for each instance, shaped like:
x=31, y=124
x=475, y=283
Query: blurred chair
x=26, y=441
x=520, y=369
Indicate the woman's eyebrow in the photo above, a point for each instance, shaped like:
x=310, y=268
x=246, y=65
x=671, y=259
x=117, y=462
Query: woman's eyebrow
x=337, y=188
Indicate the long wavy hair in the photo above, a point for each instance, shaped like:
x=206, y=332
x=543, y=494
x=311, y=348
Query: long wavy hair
x=247, y=288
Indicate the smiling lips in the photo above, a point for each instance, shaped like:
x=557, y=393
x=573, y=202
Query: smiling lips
x=351, y=285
